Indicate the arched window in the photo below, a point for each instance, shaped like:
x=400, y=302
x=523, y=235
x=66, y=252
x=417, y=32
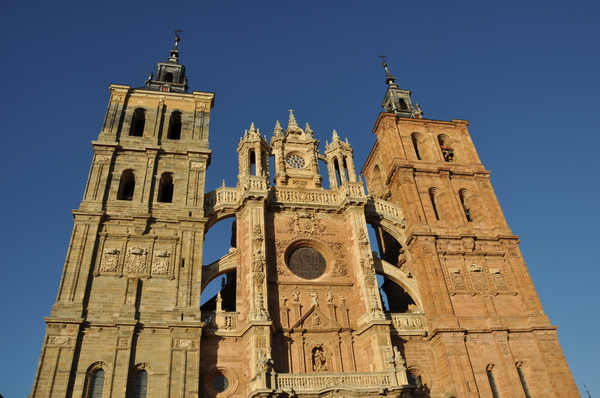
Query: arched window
x=126, y=185
x=416, y=144
x=169, y=77
x=520, y=366
x=97, y=384
x=252, y=158
x=165, y=191
x=175, y=126
x=446, y=147
x=464, y=200
x=138, y=121
x=492, y=380
x=402, y=104
x=435, y=202
x=338, y=174
x=141, y=384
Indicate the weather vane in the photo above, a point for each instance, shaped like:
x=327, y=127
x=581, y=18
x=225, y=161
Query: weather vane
x=177, y=32
x=383, y=58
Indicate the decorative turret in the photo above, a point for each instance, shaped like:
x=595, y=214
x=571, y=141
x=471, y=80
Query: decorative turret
x=396, y=100
x=170, y=75
x=253, y=160
x=340, y=162
x=296, y=155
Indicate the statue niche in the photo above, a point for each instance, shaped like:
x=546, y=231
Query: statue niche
x=319, y=361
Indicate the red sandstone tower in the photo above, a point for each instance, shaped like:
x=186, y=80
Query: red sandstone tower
x=486, y=334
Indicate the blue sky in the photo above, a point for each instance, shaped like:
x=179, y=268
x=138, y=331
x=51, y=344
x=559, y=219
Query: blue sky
x=525, y=74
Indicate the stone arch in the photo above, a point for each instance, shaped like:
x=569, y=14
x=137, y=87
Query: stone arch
x=96, y=377
x=418, y=378
x=138, y=122
x=446, y=144
x=399, y=277
x=466, y=198
x=137, y=388
x=418, y=141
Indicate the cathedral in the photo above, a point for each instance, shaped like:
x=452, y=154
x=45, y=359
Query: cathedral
x=408, y=283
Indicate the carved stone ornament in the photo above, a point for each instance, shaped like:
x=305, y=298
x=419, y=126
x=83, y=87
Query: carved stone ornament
x=306, y=224
x=458, y=280
x=135, y=261
x=197, y=165
x=102, y=158
x=340, y=269
x=362, y=237
x=110, y=260
x=319, y=360
x=498, y=279
x=257, y=234
x=60, y=340
x=160, y=265
x=177, y=343
x=455, y=349
x=259, y=313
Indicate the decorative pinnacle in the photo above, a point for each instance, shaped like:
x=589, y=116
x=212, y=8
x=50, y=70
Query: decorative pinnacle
x=335, y=137
x=278, y=129
x=388, y=77
x=308, y=131
x=292, y=121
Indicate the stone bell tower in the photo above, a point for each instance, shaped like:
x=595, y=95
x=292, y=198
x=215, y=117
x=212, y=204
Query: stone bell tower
x=486, y=334
x=126, y=321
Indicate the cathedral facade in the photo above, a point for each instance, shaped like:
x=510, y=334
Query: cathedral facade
x=435, y=301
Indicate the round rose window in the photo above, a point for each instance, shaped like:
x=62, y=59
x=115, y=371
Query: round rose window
x=307, y=263
x=295, y=161
x=220, y=383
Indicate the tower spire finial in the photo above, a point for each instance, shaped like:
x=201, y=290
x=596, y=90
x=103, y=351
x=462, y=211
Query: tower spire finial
x=292, y=121
x=177, y=38
x=388, y=77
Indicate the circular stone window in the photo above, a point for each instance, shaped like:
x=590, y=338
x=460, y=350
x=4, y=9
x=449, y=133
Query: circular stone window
x=220, y=383
x=295, y=161
x=307, y=263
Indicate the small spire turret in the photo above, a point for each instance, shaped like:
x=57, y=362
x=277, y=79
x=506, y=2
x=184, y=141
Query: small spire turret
x=170, y=75
x=396, y=100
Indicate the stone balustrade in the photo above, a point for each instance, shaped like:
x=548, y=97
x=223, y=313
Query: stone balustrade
x=221, y=197
x=220, y=321
x=408, y=322
x=224, y=197
x=384, y=208
x=317, y=381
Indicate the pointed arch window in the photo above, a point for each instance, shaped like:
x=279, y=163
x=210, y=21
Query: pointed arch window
x=138, y=122
x=165, y=191
x=97, y=384
x=175, y=126
x=464, y=200
x=141, y=385
x=126, y=185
